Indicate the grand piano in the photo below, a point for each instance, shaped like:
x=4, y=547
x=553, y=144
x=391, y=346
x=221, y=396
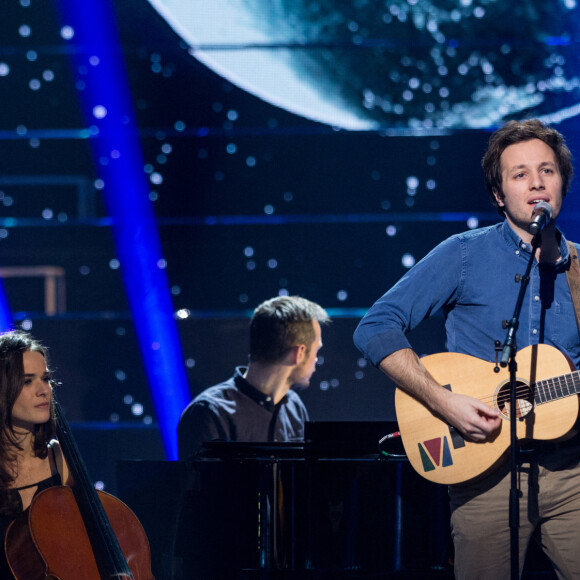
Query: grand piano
x=336, y=506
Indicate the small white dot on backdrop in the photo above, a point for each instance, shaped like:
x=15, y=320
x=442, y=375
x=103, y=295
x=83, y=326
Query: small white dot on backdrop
x=114, y=264
x=408, y=260
x=472, y=223
x=412, y=182
x=391, y=231
x=99, y=112
x=248, y=251
x=183, y=314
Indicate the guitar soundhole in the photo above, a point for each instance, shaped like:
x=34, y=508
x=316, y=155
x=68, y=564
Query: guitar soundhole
x=524, y=400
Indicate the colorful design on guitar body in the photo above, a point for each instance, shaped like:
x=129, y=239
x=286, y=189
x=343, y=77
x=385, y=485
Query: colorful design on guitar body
x=434, y=454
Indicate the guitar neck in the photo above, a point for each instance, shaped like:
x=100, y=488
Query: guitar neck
x=548, y=390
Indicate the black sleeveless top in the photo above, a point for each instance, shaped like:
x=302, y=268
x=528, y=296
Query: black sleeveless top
x=11, y=506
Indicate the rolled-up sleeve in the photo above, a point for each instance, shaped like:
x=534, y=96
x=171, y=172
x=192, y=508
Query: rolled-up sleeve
x=432, y=284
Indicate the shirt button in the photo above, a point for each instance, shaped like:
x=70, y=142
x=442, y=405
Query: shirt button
x=537, y=298
x=517, y=252
x=523, y=246
x=262, y=403
x=268, y=399
x=534, y=331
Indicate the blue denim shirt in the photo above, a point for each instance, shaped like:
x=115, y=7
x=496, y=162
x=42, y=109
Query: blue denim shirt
x=471, y=278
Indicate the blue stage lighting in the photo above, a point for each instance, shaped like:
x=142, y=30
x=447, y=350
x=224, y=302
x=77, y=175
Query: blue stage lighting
x=5, y=312
x=109, y=112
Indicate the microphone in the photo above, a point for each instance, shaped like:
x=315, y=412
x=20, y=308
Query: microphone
x=541, y=215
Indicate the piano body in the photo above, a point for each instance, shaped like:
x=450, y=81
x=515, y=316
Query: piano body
x=335, y=506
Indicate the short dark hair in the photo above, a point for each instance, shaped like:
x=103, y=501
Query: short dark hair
x=516, y=132
x=280, y=323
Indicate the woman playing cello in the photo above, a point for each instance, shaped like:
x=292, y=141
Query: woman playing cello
x=30, y=457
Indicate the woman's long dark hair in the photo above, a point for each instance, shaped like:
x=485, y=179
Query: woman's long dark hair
x=13, y=345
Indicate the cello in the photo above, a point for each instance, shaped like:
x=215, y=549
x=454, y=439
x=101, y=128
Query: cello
x=76, y=532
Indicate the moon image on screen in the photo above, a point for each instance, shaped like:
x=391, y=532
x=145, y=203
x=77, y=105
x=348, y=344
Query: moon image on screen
x=418, y=65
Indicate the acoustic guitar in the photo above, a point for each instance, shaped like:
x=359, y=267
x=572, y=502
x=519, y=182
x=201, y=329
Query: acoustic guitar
x=547, y=409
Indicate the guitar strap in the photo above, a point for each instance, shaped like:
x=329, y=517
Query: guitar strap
x=573, y=276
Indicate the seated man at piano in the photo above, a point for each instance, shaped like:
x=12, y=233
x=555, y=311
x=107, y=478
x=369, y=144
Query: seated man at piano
x=258, y=404
x=474, y=279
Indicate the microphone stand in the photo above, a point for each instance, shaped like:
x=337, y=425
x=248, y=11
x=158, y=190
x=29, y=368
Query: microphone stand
x=508, y=358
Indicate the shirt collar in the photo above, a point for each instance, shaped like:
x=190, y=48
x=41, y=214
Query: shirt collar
x=250, y=391
x=516, y=242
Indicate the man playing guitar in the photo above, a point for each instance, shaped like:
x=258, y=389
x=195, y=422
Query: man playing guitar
x=471, y=278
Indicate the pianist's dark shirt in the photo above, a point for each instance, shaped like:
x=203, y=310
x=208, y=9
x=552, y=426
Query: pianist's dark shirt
x=236, y=411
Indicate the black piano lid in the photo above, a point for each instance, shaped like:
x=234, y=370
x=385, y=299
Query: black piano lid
x=350, y=438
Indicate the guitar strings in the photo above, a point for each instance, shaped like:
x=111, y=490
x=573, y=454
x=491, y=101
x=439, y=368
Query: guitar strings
x=553, y=388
